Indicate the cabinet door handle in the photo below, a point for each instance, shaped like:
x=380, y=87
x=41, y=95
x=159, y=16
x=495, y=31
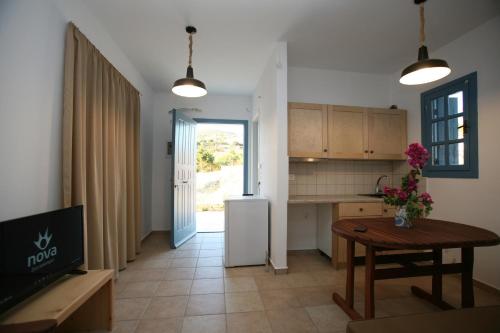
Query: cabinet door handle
x=360, y=209
x=385, y=210
x=325, y=150
x=371, y=151
x=366, y=151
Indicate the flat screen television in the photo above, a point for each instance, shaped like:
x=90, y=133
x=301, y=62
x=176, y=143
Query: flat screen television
x=37, y=250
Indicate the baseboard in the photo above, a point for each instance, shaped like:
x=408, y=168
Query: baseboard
x=481, y=285
x=153, y=232
x=278, y=270
x=146, y=235
x=302, y=251
x=487, y=287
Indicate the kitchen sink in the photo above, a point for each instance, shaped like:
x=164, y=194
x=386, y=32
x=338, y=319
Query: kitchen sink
x=373, y=195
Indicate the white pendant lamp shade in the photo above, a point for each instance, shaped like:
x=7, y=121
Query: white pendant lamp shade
x=425, y=70
x=189, y=86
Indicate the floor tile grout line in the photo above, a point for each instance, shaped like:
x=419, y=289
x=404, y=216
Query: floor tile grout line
x=255, y=275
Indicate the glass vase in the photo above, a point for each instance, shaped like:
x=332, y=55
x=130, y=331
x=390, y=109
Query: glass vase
x=401, y=218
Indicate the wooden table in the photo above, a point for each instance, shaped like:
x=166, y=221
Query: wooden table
x=427, y=234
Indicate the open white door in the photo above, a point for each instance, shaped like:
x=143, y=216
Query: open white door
x=183, y=220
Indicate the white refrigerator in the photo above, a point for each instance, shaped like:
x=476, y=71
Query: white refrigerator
x=246, y=233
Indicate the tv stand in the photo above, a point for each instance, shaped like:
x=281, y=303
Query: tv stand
x=75, y=302
x=77, y=272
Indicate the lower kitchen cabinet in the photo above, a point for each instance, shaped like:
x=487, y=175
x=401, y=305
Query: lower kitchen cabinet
x=334, y=246
x=329, y=243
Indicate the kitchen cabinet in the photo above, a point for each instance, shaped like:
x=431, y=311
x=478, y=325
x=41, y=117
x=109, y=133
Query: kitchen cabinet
x=307, y=130
x=388, y=211
x=386, y=134
x=334, y=246
x=337, y=251
x=360, y=209
x=329, y=243
x=353, y=211
x=346, y=132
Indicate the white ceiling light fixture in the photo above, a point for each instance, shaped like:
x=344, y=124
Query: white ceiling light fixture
x=425, y=70
x=189, y=86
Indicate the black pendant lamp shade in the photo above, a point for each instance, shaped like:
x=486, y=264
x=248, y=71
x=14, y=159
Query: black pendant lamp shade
x=192, y=86
x=189, y=86
x=425, y=70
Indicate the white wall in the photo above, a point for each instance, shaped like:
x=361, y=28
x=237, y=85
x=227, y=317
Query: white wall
x=470, y=201
x=311, y=85
x=31, y=83
x=302, y=227
x=270, y=105
x=213, y=107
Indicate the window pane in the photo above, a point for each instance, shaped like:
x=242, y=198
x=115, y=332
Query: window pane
x=438, y=155
x=455, y=128
x=437, y=108
x=456, y=152
x=438, y=131
x=455, y=103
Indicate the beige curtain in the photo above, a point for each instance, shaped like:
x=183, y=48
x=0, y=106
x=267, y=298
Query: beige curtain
x=101, y=121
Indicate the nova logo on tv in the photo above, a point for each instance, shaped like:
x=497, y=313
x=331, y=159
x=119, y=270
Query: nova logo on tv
x=45, y=252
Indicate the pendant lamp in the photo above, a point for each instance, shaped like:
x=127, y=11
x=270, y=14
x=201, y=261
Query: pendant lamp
x=425, y=70
x=189, y=86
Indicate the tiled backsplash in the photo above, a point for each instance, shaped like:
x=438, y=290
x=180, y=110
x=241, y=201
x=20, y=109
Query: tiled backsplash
x=343, y=176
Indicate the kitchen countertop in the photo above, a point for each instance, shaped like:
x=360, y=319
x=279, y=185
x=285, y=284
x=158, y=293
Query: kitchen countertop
x=318, y=199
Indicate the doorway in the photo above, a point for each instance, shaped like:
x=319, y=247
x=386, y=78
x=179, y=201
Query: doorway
x=221, y=169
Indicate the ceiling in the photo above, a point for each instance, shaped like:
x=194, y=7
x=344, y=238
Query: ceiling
x=235, y=37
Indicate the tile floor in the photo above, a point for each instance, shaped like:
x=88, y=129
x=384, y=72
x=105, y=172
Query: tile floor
x=187, y=290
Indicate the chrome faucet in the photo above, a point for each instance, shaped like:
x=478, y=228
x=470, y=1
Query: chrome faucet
x=377, y=187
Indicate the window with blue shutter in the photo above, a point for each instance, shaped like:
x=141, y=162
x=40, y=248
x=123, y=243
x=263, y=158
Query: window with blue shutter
x=449, y=128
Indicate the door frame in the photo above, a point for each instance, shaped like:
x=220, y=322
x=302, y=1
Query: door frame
x=245, y=141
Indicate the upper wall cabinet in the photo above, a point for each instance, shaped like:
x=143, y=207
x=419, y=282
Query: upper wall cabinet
x=307, y=130
x=386, y=134
x=346, y=132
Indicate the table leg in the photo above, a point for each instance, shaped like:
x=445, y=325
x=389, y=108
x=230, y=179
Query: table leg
x=437, y=277
x=369, y=283
x=436, y=296
x=347, y=304
x=349, y=288
x=467, y=286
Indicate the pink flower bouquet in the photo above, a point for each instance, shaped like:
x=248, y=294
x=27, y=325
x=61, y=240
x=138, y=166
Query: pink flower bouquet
x=407, y=197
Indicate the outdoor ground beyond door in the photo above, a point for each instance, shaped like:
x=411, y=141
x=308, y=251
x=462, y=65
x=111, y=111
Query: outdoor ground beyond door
x=220, y=169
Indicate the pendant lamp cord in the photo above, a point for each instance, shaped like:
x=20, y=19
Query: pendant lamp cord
x=422, y=24
x=190, y=48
